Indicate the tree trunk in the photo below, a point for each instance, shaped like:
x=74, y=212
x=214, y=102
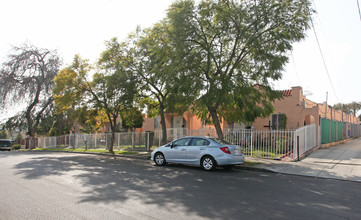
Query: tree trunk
x=112, y=141
x=163, y=125
x=31, y=132
x=113, y=124
x=112, y=130
x=216, y=122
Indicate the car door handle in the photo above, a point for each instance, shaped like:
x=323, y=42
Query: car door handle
x=183, y=149
x=202, y=148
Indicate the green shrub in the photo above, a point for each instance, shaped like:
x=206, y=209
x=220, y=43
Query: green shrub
x=283, y=145
x=17, y=146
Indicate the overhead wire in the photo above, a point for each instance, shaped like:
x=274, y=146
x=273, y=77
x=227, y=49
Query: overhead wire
x=294, y=65
x=358, y=6
x=327, y=47
x=323, y=59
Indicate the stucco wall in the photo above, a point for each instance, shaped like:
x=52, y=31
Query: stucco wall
x=296, y=107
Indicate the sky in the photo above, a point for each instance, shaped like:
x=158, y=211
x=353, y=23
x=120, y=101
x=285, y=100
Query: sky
x=82, y=27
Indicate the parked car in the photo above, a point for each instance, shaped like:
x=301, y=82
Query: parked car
x=200, y=151
x=6, y=144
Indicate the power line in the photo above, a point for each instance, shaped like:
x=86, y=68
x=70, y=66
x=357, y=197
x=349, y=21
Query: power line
x=323, y=59
x=358, y=6
x=294, y=65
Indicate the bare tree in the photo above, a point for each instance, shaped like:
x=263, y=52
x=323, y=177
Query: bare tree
x=26, y=78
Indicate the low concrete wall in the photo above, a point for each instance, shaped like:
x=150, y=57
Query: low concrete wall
x=335, y=143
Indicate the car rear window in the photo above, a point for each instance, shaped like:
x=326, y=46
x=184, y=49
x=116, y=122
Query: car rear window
x=220, y=141
x=199, y=142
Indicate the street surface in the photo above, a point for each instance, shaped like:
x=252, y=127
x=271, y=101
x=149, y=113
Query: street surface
x=38, y=185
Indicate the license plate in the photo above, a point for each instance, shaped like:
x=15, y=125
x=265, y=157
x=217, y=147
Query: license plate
x=236, y=152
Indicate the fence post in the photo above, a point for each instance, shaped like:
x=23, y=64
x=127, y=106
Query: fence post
x=148, y=144
x=306, y=140
x=95, y=140
x=118, y=140
x=133, y=140
x=298, y=148
x=76, y=141
x=252, y=142
x=159, y=137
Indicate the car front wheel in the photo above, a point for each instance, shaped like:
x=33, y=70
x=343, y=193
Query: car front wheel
x=159, y=159
x=208, y=163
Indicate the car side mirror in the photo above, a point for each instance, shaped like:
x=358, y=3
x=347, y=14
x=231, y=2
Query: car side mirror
x=171, y=145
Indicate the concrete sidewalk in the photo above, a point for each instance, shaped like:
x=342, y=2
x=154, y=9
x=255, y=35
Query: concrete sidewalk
x=341, y=162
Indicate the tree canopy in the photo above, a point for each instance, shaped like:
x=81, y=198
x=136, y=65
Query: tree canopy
x=236, y=48
x=219, y=57
x=353, y=107
x=164, y=85
x=27, y=77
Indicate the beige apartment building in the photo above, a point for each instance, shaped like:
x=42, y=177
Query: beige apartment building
x=298, y=109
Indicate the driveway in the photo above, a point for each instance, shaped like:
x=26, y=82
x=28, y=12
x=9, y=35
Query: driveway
x=341, y=162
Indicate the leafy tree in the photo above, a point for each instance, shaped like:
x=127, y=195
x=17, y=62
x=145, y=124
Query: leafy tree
x=70, y=95
x=349, y=108
x=26, y=77
x=14, y=123
x=132, y=118
x=235, y=48
x=45, y=123
x=342, y=107
x=111, y=90
x=113, y=87
x=354, y=107
x=3, y=134
x=91, y=120
x=165, y=85
x=56, y=124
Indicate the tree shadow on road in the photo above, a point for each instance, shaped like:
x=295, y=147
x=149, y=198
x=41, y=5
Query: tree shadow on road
x=221, y=194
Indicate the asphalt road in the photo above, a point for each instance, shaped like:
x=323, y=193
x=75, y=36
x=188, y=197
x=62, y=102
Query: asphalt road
x=36, y=185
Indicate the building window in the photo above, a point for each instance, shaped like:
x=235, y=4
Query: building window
x=156, y=123
x=279, y=121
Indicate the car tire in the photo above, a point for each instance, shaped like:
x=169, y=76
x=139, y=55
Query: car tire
x=159, y=159
x=208, y=163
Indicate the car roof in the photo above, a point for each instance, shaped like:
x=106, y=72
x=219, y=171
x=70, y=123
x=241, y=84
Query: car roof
x=207, y=137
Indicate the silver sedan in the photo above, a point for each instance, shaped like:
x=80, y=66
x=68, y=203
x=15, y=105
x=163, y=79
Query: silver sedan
x=201, y=151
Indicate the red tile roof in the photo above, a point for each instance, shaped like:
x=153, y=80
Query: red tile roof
x=287, y=92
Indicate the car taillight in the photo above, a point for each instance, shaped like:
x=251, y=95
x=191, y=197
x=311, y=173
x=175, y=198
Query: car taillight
x=225, y=150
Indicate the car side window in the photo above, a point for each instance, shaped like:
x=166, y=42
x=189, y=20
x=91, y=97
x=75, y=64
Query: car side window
x=199, y=142
x=182, y=142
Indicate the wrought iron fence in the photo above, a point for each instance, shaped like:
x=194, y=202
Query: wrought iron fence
x=122, y=141
x=273, y=144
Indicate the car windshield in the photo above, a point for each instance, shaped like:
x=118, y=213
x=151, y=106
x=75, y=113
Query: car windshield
x=220, y=141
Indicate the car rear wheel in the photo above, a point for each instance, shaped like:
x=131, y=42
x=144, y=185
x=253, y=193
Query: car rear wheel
x=208, y=163
x=159, y=159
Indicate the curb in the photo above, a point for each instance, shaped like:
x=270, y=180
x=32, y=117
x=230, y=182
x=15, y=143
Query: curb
x=250, y=168
x=140, y=157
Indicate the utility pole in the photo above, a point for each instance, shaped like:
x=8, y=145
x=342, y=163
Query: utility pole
x=326, y=105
